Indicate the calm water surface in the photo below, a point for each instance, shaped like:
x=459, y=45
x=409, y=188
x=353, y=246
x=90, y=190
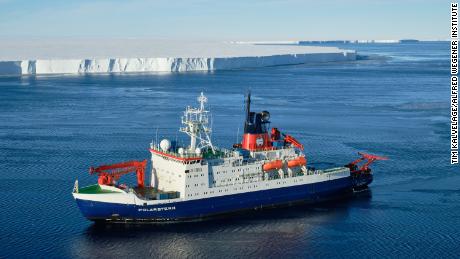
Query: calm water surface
x=52, y=128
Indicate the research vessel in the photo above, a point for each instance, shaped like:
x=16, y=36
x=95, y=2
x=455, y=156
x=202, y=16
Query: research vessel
x=268, y=168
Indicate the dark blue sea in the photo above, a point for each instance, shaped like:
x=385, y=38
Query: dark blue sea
x=394, y=101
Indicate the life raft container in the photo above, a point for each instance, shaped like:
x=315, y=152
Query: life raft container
x=273, y=165
x=300, y=161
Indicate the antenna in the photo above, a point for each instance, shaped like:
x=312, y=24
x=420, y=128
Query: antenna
x=156, y=135
x=248, y=105
x=175, y=148
x=195, y=121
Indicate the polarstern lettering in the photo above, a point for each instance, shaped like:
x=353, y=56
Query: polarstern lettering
x=157, y=209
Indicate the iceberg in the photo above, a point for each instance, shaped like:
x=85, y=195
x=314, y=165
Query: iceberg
x=124, y=56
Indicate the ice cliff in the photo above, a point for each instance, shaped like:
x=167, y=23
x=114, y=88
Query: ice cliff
x=200, y=57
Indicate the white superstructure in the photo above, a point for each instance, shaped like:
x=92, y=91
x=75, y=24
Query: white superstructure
x=213, y=172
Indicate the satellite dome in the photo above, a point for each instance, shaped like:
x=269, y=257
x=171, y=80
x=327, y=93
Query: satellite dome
x=198, y=151
x=180, y=151
x=165, y=145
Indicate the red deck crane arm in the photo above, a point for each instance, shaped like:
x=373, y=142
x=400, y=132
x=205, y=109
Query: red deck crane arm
x=108, y=174
x=365, y=167
x=293, y=141
x=357, y=161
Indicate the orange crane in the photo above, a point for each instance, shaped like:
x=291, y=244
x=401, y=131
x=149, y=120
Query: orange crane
x=109, y=174
x=276, y=135
x=293, y=141
x=365, y=167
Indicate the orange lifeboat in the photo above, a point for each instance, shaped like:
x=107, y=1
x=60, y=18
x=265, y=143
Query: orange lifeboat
x=276, y=164
x=300, y=161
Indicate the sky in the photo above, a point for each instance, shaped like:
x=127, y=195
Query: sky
x=226, y=20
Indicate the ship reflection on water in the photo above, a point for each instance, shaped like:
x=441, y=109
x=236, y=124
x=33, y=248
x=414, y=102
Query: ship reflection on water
x=265, y=233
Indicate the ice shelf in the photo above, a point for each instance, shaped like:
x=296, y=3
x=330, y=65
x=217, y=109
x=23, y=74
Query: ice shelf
x=20, y=57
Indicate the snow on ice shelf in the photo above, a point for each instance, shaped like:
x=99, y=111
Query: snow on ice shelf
x=120, y=56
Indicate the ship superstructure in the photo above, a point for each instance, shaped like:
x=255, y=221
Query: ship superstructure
x=268, y=168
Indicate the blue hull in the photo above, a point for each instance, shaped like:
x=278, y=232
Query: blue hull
x=193, y=209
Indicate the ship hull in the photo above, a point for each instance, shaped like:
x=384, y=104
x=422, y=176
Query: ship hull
x=203, y=208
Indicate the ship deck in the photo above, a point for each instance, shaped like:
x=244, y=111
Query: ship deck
x=146, y=193
x=94, y=189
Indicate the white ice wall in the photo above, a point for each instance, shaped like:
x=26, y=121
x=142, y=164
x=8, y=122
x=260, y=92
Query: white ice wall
x=122, y=65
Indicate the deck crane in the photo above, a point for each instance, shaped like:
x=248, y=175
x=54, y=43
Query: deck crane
x=109, y=174
x=365, y=167
x=293, y=141
x=276, y=135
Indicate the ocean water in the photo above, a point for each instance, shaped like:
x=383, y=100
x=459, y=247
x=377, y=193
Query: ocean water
x=394, y=101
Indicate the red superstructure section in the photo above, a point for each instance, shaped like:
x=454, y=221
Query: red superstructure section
x=256, y=127
x=256, y=141
x=109, y=174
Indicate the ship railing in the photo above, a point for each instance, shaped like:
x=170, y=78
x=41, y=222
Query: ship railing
x=176, y=154
x=220, y=152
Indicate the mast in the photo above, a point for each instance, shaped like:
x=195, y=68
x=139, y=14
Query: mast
x=195, y=121
x=247, y=122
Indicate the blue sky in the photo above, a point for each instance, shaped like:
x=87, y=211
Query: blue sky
x=227, y=20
